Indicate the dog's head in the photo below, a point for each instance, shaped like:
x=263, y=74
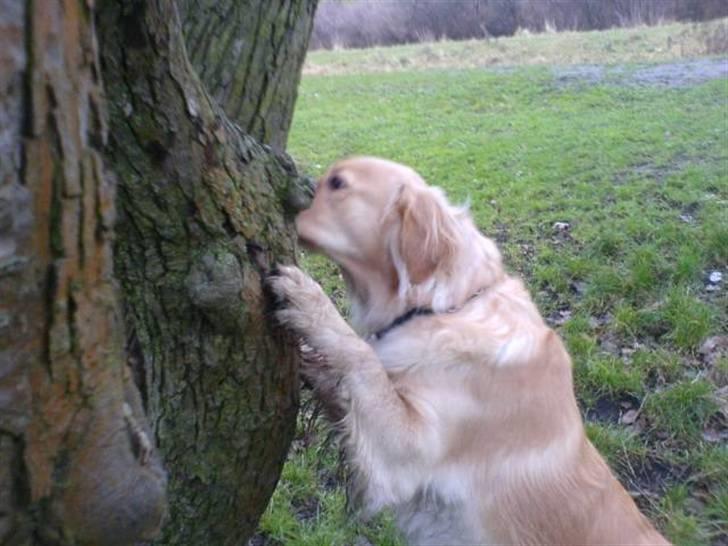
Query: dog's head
x=392, y=234
x=369, y=212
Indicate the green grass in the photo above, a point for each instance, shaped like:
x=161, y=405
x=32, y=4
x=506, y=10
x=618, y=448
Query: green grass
x=608, y=376
x=683, y=527
x=688, y=318
x=618, y=445
x=309, y=505
x=622, y=45
x=641, y=174
x=682, y=410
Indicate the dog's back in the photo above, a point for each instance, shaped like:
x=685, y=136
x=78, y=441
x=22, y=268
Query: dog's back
x=458, y=410
x=516, y=466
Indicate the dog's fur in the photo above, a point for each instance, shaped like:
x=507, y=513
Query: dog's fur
x=463, y=421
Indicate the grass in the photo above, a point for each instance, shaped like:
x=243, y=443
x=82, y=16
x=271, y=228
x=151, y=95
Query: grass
x=618, y=445
x=682, y=410
x=638, y=169
x=622, y=45
x=294, y=515
x=309, y=505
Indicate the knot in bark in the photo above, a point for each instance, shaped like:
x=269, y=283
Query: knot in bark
x=215, y=284
x=300, y=193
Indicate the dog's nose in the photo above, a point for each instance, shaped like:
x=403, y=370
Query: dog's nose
x=304, y=234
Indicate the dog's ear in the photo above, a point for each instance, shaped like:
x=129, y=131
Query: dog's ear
x=428, y=232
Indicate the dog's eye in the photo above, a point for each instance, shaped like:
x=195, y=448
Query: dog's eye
x=336, y=183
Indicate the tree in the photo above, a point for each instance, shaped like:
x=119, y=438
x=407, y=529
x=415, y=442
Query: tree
x=249, y=54
x=202, y=209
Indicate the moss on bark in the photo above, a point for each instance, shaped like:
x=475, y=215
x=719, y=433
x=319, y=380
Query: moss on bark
x=201, y=203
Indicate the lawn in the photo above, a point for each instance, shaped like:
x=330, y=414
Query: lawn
x=606, y=187
x=620, y=45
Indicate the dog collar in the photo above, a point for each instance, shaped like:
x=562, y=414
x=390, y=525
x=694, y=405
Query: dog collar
x=419, y=311
x=400, y=320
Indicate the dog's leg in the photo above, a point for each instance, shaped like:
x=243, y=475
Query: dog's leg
x=387, y=430
x=324, y=380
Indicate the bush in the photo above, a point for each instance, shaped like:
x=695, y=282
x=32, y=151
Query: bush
x=366, y=23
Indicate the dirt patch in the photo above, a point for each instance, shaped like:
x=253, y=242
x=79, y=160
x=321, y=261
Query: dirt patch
x=677, y=74
x=647, y=480
x=609, y=410
x=681, y=74
x=306, y=509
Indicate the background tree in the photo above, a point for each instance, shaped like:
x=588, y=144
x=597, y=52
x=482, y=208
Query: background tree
x=202, y=207
x=249, y=55
x=76, y=464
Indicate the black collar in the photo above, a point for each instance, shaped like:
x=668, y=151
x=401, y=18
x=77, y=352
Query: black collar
x=420, y=311
x=400, y=320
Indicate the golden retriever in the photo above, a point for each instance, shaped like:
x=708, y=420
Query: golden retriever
x=455, y=398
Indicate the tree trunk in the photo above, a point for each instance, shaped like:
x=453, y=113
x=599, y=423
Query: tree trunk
x=76, y=463
x=202, y=211
x=249, y=54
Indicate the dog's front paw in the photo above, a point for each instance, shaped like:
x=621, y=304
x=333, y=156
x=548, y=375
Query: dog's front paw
x=303, y=305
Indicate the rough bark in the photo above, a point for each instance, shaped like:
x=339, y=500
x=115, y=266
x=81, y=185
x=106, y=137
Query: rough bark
x=76, y=466
x=201, y=205
x=248, y=54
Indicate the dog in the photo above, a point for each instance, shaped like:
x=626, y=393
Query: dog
x=454, y=397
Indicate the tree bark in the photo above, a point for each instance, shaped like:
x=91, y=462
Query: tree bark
x=202, y=211
x=249, y=54
x=76, y=463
